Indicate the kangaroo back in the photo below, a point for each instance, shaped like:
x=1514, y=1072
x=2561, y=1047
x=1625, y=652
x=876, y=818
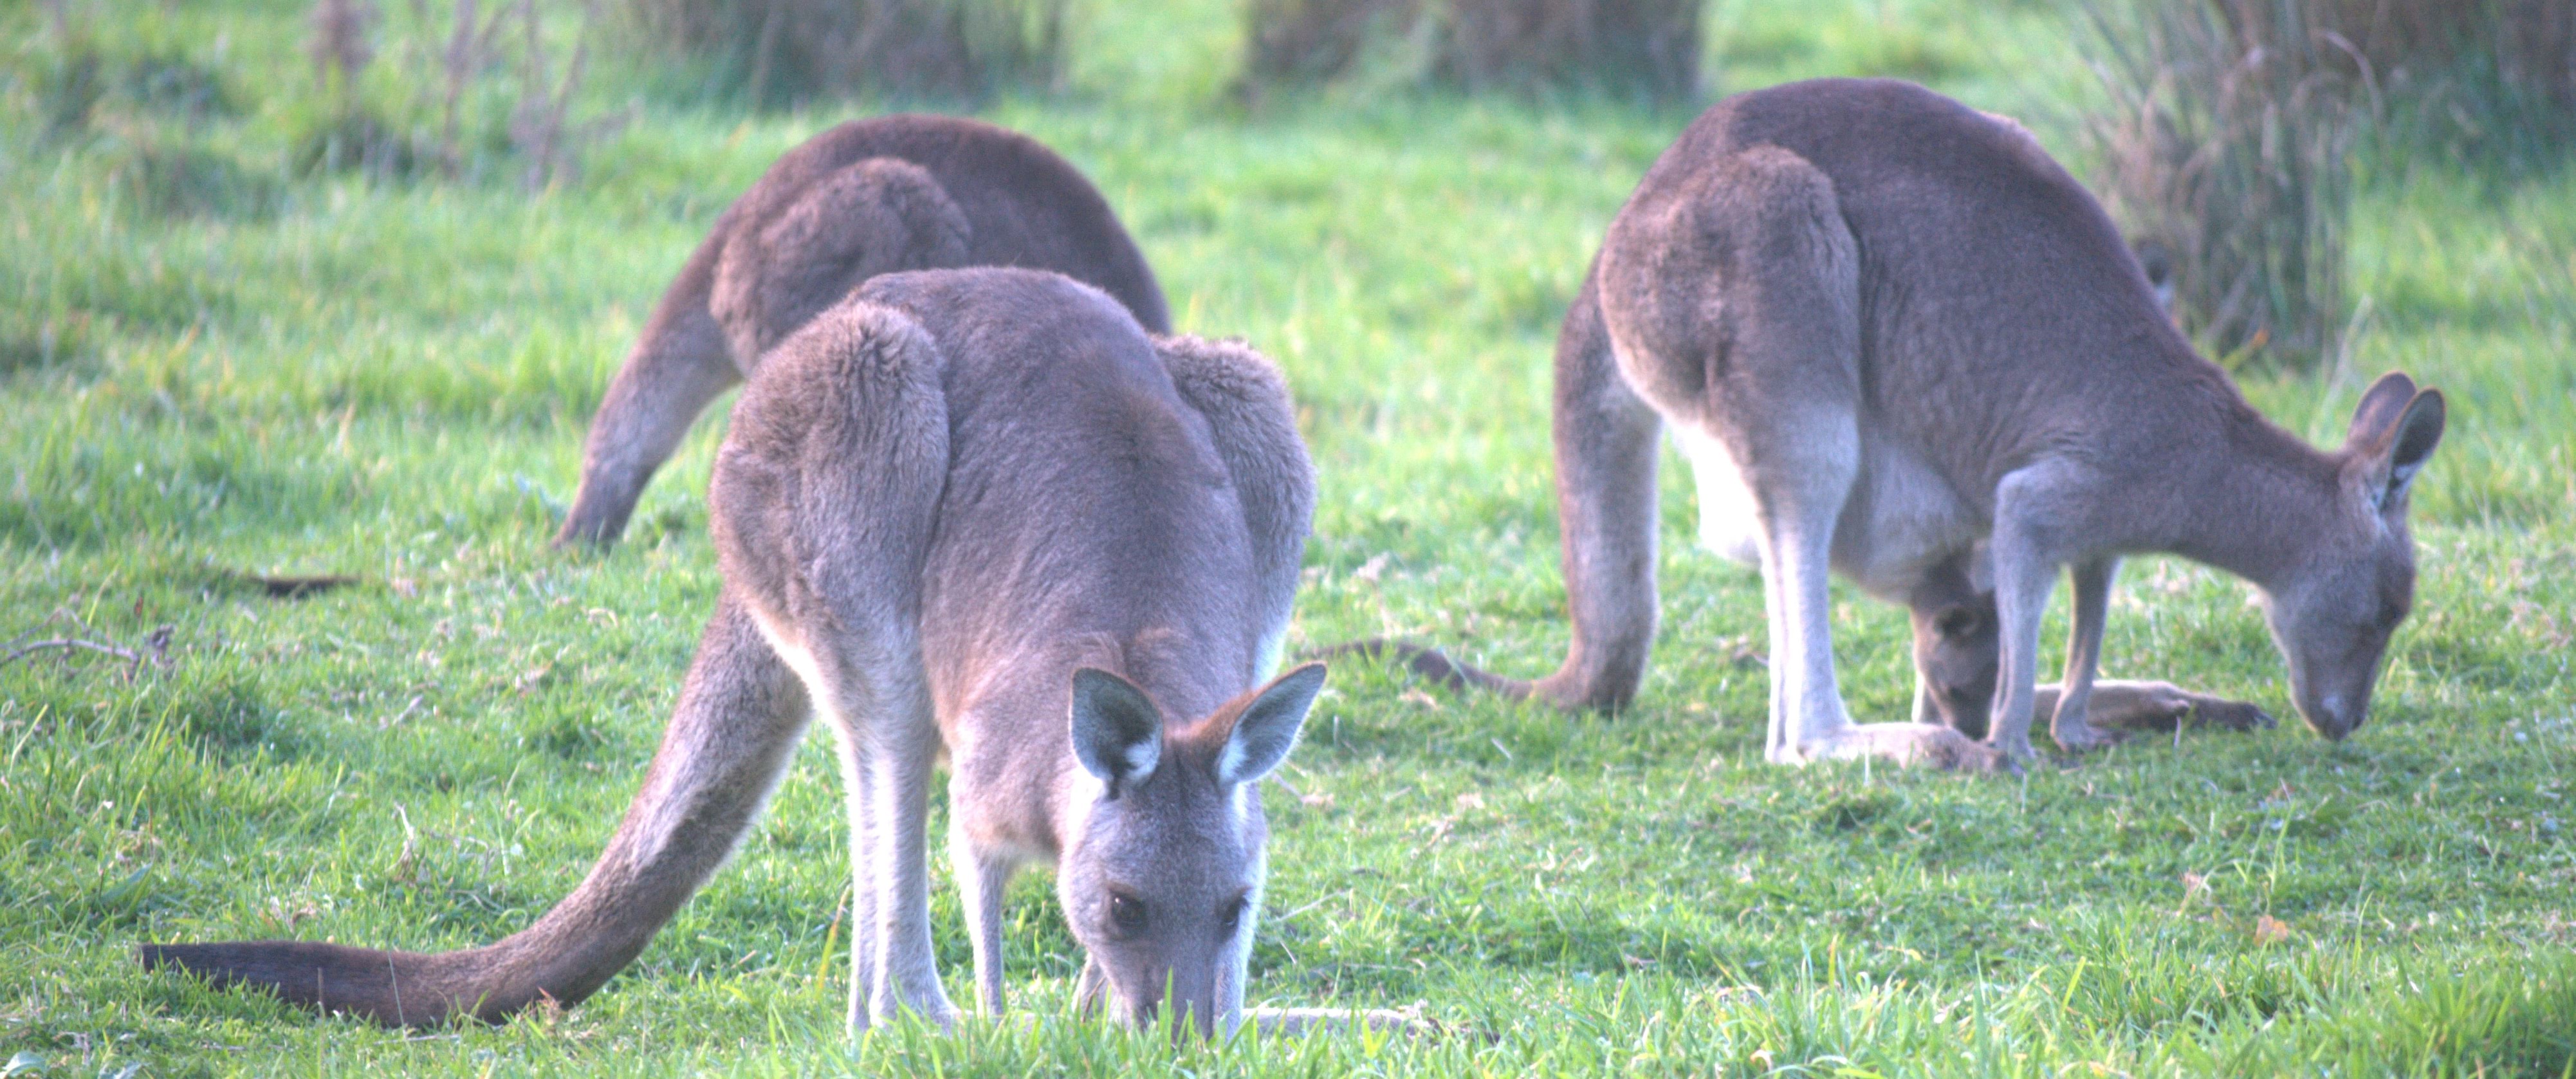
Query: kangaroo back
x=865, y=198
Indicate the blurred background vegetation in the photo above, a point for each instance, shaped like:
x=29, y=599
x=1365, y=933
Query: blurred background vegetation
x=2226, y=135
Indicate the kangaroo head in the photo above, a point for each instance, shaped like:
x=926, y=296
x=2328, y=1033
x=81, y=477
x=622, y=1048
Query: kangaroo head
x=1955, y=652
x=2332, y=613
x=1956, y=639
x=1163, y=883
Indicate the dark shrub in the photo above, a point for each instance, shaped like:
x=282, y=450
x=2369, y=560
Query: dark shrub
x=783, y=51
x=1644, y=48
x=2227, y=144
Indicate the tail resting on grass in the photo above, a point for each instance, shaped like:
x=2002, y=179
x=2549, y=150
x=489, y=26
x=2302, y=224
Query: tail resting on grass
x=739, y=718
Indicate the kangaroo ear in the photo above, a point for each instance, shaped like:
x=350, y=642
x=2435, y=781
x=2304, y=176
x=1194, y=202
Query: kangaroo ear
x=2418, y=432
x=2388, y=457
x=1268, y=727
x=1117, y=732
x=2379, y=408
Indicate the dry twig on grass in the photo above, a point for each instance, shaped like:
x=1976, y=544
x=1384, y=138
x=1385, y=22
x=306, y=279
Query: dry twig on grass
x=155, y=650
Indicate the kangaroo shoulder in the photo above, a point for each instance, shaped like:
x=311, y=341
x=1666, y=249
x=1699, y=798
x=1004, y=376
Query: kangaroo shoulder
x=850, y=366
x=795, y=251
x=1245, y=400
x=1227, y=375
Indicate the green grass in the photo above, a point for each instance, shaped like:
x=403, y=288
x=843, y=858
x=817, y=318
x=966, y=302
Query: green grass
x=211, y=370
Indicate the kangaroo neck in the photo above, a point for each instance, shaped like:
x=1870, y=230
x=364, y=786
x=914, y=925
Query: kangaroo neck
x=2255, y=501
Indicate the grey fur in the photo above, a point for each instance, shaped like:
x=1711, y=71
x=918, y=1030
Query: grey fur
x=938, y=501
x=867, y=197
x=1886, y=327
x=1955, y=646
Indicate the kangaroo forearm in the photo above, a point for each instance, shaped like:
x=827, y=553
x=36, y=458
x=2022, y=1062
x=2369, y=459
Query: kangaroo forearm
x=2162, y=706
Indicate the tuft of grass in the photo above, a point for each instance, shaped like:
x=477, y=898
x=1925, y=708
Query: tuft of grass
x=182, y=180
x=2226, y=141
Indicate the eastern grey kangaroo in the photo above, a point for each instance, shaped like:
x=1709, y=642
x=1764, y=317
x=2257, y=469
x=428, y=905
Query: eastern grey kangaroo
x=1883, y=327
x=980, y=513
x=864, y=198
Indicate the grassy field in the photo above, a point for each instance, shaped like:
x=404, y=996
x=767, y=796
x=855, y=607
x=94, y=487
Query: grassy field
x=319, y=374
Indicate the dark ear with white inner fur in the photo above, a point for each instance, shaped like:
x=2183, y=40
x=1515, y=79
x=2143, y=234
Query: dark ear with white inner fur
x=2418, y=432
x=1117, y=732
x=1268, y=727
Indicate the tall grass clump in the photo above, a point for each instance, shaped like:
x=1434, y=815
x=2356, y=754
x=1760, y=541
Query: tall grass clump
x=780, y=52
x=1316, y=40
x=1645, y=47
x=1635, y=48
x=2485, y=83
x=2227, y=141
x=458, y=91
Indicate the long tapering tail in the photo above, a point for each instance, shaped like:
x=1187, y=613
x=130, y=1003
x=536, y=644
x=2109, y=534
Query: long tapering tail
x=1427, y=662
x=736, y=726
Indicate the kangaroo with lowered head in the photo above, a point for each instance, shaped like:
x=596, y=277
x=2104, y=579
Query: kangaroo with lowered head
x=978, y=513
x=864, y=198
x=1884, y=327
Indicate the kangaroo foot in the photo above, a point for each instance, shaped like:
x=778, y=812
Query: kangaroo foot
x=2229, y=715
x=932, y=1008
x=1927, y=744
x=2161, y=707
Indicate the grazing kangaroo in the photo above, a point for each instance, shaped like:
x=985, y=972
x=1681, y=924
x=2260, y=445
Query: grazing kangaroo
x=1883, y=327
x=864, y=198
x=977, y=512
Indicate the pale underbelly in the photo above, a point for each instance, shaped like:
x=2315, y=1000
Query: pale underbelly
x=1897, y=520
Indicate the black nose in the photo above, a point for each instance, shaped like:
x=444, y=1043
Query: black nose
x=2331, y=719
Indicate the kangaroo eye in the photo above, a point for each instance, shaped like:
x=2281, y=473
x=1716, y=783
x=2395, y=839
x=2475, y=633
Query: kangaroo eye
x=1231, y=915
x=1127, y=914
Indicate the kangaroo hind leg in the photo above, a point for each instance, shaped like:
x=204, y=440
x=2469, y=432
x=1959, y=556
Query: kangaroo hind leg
x=1733, y=303
x=796, y=254
x=1245, y=400
x=824, y=500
